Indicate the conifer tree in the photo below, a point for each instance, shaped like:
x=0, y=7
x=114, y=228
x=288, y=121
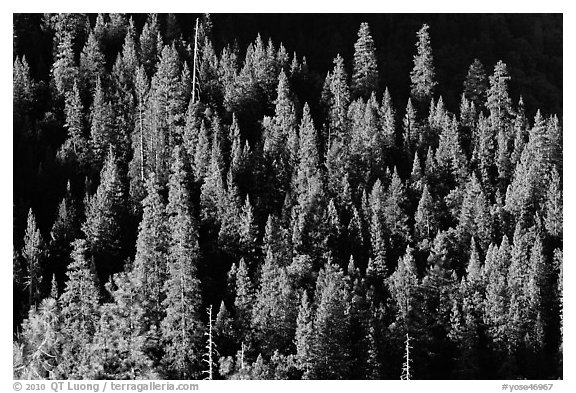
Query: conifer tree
x=388, y=123
x=148, y=44
x=308, y=187
x=499, y=103
x=23, y=87
x=75, y=149
x=64, y=70
x=202, y=153
x=331, y=351
x=249, y=232
x=395, y=218
x=213, y=197
x=553, y=207
x=403, y=285
x=92, y=63
x=151, y=260
x=284, y=120
x=275, y=309
x=476, y=84
x=120, y=340
x=539, y=291
x=105, y=214
x=426, y=224
x=304, y=338
x=138, y=167
x=410, y=128
x=33, y=253
x=65, y=229
x=181, y=326
x=495, y=273
x=340, y=99
x=39, y=342
x=79, y=303
x=423, y=76
x=102, y=132
x=365, y=76
x=244, y=301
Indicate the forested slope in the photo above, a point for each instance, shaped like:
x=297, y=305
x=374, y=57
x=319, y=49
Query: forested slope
x=323, y=224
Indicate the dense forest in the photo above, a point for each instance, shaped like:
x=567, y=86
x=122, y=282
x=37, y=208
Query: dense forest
x=287, y=197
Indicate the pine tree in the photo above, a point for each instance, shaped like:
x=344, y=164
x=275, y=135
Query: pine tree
x=553, y=208
x=304, y=338
x=284, y=120
x=105, y=215
x=182, y=324
x=79, y=302
x=166, y=99
x=395, y=218
x=138, y=167
x=39, y=342
x=526, y=193
x=485, y=152
x=423, y=76
x=388, y=123
x=245, y=299
x=151, y=260
x=411, y=131
x=403, y=285
x=539, y=291
x=331, y=351
x=75, y=149
x=202, y=153
x=92, y=63
x=120, y=340
x=64, y=70
x=495, y=273
x=148, y=44
x=23, y=88
x=65, y=229
x=476, y=84
x=426, y=224
x=340, y=99
x=365, y=76
x=499, y=103
x=275, y=309
x=308, y=187
x=213, y=197
x=33, y=254
x=102, y=130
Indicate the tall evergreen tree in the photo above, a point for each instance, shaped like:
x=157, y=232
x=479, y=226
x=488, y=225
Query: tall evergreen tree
x=64, y=70
x=340, y=99
x=499, y=103
x=75, y=149
x=423, y=76
x=105, y=216
x=102, y=132
x=275, y=309
x=151, y=261
x=331, y=351
x=119, y=342
x=365, y=75
x=148, y=44
x=92, y=63
x=182, y=325
x=33, y=253
x=244, y=301
x=304, y=336
x=80, y=313
x=476, y=84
